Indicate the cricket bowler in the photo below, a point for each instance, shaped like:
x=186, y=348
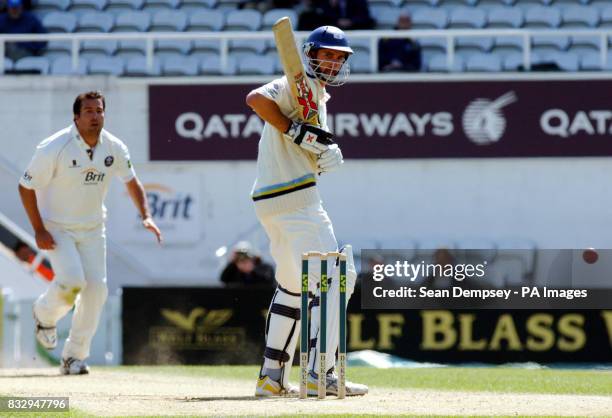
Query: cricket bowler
x=63, y=191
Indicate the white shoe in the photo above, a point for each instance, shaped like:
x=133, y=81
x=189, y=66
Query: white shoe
x=46, y=336
x=72, y=365
x=269, y=387
x=352, y=389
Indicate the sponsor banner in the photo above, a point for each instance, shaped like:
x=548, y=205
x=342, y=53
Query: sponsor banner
x=226, y=326
x=486, y=279
x=174, y=201
x=399, y=120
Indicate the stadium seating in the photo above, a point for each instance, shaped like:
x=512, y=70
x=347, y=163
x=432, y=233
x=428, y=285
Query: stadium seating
x=32, y=64
x=95, y=22
x=473, y=53
x=63, y=66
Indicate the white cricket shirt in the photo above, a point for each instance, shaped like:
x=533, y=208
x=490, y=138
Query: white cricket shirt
x=70, y=187
x=286, y=173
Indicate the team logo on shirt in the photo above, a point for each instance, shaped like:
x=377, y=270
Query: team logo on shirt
x=108, y=161
x=93, y=177
x=27, y=176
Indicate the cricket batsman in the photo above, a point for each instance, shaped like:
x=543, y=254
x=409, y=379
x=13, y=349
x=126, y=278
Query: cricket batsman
x=63, y=191
x=287, y=203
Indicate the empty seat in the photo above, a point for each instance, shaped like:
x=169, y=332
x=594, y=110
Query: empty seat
x=484, y=63
x=169, y=21
x=438, y=63
x=56, y=49
x=474, y=43
x=240, y=20
x=433, y=43
x=360, y=64
x=180, y=46
x=257, y=46
x=456, y=3
x=132, y=22
x=98, y=46
x=549, y=44
x=180, y=66
x=567, y=61
x=228, y=5
x=467, y=17
x=508, y=43
x=212, y=66
x=96, y=22
x=605, y=17
x=8, y=64
x=542, y=17
x=582, y=44
x=193, y=6
x=128, y=48
x=513, y=62
x=46, y=6
x=271, y=16
x=391, y=3
x=428, y=18
x=37, y=65
x=120, y=6
x=256, y=65
x=106, y=66
x=205, y=21
x=421, y=3
x=153, y=6
x=81, y=6
x=60, y=22
x=580, y=17
x=505, y=17
x=63, y=66
x=137, y=67
x=386, y=17
x=206, y=45
x=591, y=62
x=360, y=45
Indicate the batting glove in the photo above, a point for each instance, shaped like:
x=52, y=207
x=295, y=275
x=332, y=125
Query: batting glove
x=311, y=138
x=331, y=159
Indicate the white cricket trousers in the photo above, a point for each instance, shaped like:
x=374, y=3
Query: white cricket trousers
x=79, y=263
x=291, y=234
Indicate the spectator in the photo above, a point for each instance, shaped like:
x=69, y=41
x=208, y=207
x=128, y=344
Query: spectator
x=27, y=5
x=247, y=268
x=399, y=54
x=27, y=255
x=345, y=14
x=17, y=20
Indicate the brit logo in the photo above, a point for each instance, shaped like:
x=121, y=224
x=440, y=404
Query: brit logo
x=108, y=161
x=93, y=177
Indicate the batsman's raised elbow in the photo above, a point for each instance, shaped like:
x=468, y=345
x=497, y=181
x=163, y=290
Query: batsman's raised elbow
x=251, y=99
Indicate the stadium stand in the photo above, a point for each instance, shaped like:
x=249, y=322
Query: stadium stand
x=573, y=52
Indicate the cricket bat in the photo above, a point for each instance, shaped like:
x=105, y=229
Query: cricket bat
x=293, y=67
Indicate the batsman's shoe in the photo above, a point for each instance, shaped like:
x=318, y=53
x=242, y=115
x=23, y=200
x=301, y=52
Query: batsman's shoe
x=46, y=336
x=352, y=389
x=72, y=365
x=269, y=387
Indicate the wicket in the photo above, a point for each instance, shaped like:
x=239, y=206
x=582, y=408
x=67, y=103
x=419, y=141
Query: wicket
x=305, y=338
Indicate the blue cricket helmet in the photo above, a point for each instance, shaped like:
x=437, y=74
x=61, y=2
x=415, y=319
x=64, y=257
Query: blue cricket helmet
x=329, y=37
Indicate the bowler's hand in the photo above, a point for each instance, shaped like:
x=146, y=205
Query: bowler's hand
x=150, y=225
x=44, y=240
